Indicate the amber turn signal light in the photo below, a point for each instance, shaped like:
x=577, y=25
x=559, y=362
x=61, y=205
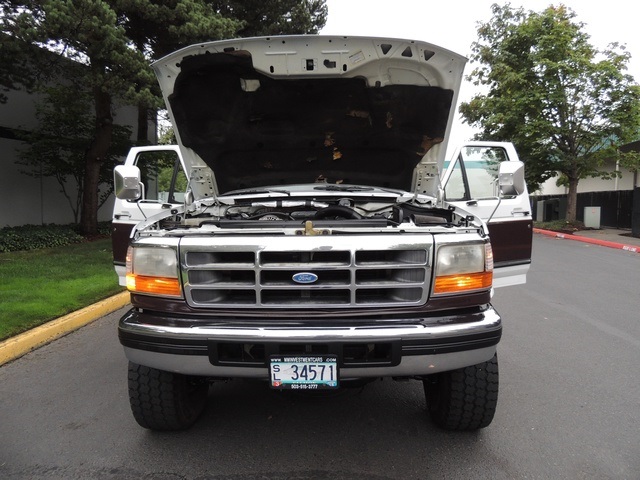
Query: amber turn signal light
x=463, y=282
x=154, y=285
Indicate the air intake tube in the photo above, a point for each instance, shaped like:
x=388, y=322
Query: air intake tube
x=337, y=211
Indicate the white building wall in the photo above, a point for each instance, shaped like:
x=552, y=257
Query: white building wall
x=20, y=110
x=34, y=200
x=624, y=182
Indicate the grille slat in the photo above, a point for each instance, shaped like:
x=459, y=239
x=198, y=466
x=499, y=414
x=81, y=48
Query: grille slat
x=224, y=273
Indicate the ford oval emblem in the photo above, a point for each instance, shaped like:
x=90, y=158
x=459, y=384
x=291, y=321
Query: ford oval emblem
x=305, y=277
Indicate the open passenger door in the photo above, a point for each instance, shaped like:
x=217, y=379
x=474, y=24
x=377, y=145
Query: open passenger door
x=164, y=183
x=471, y=182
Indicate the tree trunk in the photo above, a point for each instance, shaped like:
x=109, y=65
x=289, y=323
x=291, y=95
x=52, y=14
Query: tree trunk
x=143, y=125
x=572, y=199
x=94, y=156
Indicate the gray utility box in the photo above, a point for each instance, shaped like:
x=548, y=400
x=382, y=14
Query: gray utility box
x=592, y=217
x=551, y=209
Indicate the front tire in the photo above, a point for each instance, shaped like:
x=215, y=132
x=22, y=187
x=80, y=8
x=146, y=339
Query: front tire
x=163, y=400
x=463, y=399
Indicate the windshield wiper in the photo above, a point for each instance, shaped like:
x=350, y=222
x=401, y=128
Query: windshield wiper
x=255, y=192
x=345, y=188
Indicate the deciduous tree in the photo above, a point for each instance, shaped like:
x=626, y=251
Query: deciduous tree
x=566, y=105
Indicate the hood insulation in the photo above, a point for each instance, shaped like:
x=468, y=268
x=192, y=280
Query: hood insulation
x=255, y=130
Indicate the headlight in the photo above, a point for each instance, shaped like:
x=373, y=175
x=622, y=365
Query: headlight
x=153, y=270
x=463, y=268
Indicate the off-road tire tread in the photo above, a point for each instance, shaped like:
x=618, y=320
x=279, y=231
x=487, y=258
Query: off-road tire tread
x=463, y=399
x=163, y=400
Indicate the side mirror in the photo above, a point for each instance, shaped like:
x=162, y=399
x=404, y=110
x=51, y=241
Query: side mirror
x=511, y=178
x=126, y=181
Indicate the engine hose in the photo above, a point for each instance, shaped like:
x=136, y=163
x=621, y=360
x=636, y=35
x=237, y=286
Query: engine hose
x=337, y=211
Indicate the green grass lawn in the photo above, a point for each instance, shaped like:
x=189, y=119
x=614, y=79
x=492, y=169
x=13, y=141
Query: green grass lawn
x=39, y=285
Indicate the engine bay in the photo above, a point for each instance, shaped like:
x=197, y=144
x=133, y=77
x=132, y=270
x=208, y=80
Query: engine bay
x=340, y=212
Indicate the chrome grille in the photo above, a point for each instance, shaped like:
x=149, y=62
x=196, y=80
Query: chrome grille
x=356, y=271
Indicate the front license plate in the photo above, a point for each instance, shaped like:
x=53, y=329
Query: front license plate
x=303, y=372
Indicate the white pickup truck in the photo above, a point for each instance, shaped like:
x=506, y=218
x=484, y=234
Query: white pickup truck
x=306, y=229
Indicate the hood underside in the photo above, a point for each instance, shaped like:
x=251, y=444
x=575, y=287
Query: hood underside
x=291, y=110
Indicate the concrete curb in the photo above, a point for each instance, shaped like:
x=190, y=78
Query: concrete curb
x=19, y=345
x=594, y=241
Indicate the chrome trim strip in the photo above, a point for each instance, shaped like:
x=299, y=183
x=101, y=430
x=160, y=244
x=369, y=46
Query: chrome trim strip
x=409, y=366
x=513, y=275
x=491, y=321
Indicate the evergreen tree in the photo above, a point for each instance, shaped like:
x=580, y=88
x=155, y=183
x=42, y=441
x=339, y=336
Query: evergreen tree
x=116, y=40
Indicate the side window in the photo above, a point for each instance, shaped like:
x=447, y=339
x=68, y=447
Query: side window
x=481, y=165
x=455, y=190
x=475, y=174
x=162, y=176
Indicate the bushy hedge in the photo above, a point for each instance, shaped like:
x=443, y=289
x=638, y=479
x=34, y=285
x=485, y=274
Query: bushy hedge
x=31, y=237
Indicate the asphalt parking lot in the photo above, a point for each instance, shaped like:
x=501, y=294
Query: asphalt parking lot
x=569, y=403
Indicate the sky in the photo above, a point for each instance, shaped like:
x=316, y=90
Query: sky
x=452, y=24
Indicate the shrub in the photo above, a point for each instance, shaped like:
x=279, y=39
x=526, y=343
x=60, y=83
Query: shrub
x=31, y=237
x=104, y=229
x=560, y=225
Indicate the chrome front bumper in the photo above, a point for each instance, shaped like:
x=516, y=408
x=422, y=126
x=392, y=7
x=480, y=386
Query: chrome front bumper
x=412, y=347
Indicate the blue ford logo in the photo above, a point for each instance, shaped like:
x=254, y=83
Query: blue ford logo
x=305, y=277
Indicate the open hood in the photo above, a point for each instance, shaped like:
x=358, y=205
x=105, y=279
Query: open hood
x=305, y=109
